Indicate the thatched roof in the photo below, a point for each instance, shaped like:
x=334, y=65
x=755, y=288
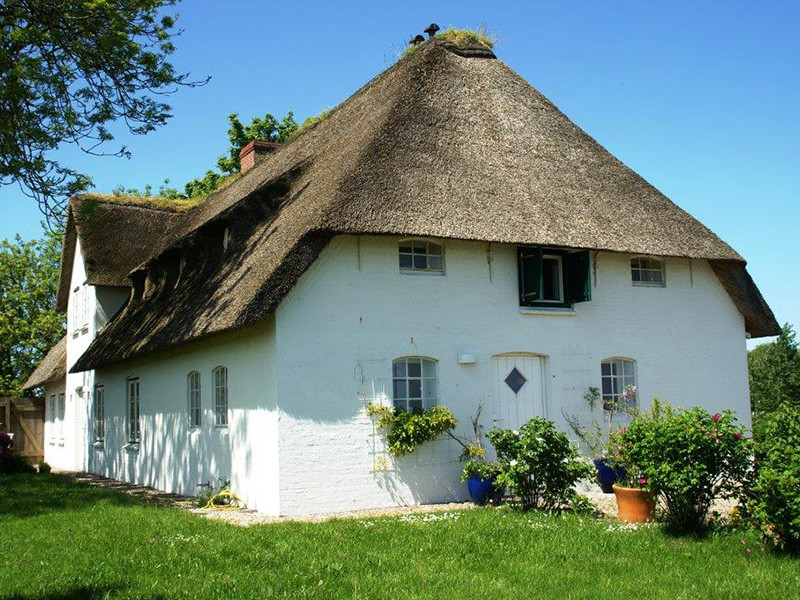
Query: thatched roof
x=52, y=368
x=442, y=144
x=116, y=234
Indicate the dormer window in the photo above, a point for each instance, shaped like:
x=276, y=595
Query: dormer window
x=226, y=239
x=553, y=278
x=421, y=256
x=648, y=271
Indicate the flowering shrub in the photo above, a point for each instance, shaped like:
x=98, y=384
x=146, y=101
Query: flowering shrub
x=538, y=464
x=688, y=456
x=774, y=500
x=405, y=430
x=9, y=461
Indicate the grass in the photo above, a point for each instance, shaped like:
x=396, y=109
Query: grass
x=63, y=539
x=177, y=205
x=458, y=37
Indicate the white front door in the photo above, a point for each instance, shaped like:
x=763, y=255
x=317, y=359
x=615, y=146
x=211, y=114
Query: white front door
x=519, y=389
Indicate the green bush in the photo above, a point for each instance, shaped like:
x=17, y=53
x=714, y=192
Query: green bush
x=687, y=456
x=405, y=430
x=538, y=464
x=10, y=462
x=479, y=468
x=774, y=499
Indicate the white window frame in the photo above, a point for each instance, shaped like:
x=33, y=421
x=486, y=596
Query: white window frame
x=194, y=399
x=402, y=383
x=62, y=411
x=219, y=376
x=649, y=269
x=622, y=379
x=560, y=261
x=52, y=417
x=99, y=414
x=428, y=270
x=133, y=410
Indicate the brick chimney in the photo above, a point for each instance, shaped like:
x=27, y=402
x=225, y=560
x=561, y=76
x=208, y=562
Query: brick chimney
x=254, y=152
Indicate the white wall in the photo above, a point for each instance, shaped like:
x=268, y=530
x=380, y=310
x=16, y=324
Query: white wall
x=353, y=312
x=174, y=458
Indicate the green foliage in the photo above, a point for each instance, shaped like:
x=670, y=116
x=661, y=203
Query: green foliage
x=68, y=71
x=479, y=468
x=406, y=431
x=595, y=437
x=43, y=468
x=29, y=323
x=268, y=129
x=538, y=464
x=774, y=371
x=774, y=500
x=312, y=121
x=688, y=456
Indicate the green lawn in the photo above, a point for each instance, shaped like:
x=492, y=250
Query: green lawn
x=62, y=539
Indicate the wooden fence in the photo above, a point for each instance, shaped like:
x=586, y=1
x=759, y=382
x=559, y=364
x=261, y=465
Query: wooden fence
x=24, y=417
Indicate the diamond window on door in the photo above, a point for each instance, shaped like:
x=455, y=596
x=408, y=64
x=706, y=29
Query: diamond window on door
x=515, y=380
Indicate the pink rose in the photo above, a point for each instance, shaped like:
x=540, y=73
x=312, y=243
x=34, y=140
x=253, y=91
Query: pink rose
x=716, y=417
x=738, y=436
x=643, y=481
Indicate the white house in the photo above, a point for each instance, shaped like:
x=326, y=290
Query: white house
x=446, y=236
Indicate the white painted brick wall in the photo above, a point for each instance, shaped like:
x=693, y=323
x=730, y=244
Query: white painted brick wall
x=350, y=316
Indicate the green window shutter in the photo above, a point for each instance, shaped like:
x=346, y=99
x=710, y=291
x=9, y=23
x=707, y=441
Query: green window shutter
x=530, y=275
x=578, y=277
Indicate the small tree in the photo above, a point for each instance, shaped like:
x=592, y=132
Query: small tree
x=774, y=371
x=29, y=323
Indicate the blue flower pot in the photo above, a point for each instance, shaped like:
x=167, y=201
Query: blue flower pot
x=607, y=475
x=481, y=490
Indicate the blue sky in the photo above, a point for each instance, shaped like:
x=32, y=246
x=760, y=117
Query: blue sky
x=700, y=98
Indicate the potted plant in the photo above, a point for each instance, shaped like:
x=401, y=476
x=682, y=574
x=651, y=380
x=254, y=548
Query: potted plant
x=480, y=477
x=594, y=438
x=479, y=474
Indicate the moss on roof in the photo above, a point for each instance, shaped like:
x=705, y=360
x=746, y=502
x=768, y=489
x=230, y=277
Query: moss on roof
x=458, y=39
x=155, y=202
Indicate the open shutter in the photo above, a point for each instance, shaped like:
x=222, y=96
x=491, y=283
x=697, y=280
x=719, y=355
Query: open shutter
x=578, y=277
x=530, y=275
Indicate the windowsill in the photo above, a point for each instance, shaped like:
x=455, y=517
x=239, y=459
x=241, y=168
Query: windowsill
x=421, y=272
x=648, y=285
x=99, y=445
x=131, y=446
x=554, y=311
x=221, y=427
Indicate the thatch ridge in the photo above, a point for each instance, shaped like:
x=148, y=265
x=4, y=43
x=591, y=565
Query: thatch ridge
x=52, y=367
x=438, y=145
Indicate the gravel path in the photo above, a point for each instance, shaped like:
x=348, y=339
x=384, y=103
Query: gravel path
x=606, y=504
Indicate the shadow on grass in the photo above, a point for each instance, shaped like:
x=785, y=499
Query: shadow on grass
x=73, y=593
x=32, y=495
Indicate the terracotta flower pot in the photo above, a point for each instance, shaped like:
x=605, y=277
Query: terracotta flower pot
x=635, y=505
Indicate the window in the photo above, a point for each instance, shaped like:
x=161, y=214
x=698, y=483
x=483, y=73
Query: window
x=99, y=414
x=647, y=271
x=553, y=278
x=421, y=256
x=221, y=397
x=617, y=374
x=414, y=383
x=51, y=417
x=134, y=424
x=62, y=409
x=80, y=308
x=193, y=386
